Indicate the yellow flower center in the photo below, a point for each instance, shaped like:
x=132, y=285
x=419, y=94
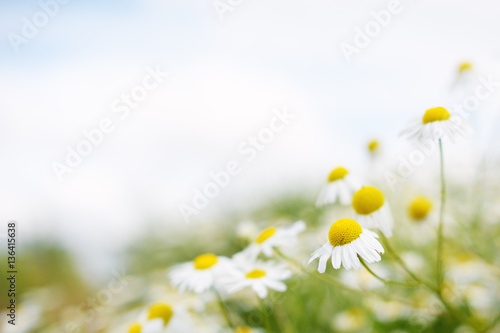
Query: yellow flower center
x=337, y=173
x=465, y=66
x=135, y=328
x=343, y=232
x=255, y=274
x=265, y=234
x=367, y=200
x=205, y=261
x=435, y=114
x=464, y=257
x=419, y=208
x=162, y=311
x=243, y=329
x=373, y=146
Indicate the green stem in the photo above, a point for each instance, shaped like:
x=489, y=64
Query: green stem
x=385, y=281
x=439, y=268
x=403, y=265
x=223, y=309
x=264, y=315
x=332, y=281
x=327, y=278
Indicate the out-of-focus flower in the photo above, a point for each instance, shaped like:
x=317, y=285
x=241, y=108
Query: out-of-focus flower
x=200, y=274
x=414, y=261
x=419, y=208
x=350, y=320
x=480, y=297
x=161, y=318
x=255, y=274
x=346, y=240
x=387, y=311
x=466, y=268
x=437, y=123
x=464, y=67
x=247, y=230
x=371, y=209
x=373, y=147
x=273, y=237
x=362, y=279
x=340, y=186
x=246, y=329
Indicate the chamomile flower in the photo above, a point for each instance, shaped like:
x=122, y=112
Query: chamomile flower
x=200, y=274
x=372, y=210
x=346, y=241
x=246, y=329
x=273, y=237
x=373, y=147
x=340, y=187
x=160, y=318
x=437, y=123
x=419, y=208
x=464, y=67
x=257, y=275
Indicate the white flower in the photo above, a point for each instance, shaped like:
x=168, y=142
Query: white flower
x=162, y=318
x=346, y=240
x=273, y=237
x=437, y=123
x=200, y=274
x=340, y=186
x=372, y=210
x=258, y=275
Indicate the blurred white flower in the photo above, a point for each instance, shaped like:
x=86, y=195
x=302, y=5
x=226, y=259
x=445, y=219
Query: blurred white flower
x=387, y=311
x=200, y=274
x=255, y=274
x=362, y=279
x=273, y=237
x=437, y=123
x=340, y=186
x=414, y=261
x=247, y=230
x=162, y=318
x=350, y=320
x=346, y=240
x=372, y=210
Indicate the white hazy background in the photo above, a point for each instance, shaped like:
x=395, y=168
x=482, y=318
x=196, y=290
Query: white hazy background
x=226, y=76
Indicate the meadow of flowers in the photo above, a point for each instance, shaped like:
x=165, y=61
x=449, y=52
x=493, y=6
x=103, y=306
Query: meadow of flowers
x=360, y=256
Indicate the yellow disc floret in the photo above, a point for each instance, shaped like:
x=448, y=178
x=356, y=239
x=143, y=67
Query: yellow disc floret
x=343, y=232
x=255, y=274
x=265, y=234
x=337, y=173
x=162, y=311
x=205, y=261
x=373, y=146
x=419, y=208
x=465, y=66
x=435, y=114
x=367, y=200
x=243, y=329
x=135, y=328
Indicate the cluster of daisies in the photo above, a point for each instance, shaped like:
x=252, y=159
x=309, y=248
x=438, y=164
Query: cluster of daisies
x=351, y=242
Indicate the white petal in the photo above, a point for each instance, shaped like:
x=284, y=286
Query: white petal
x=260, y=289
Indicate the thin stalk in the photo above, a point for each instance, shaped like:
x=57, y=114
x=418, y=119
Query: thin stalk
x=223, y=308
x=439, y=268
x=327, y=278
x=385, y=281
x=332, y=281
x=403, y=265
x=264, y=315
